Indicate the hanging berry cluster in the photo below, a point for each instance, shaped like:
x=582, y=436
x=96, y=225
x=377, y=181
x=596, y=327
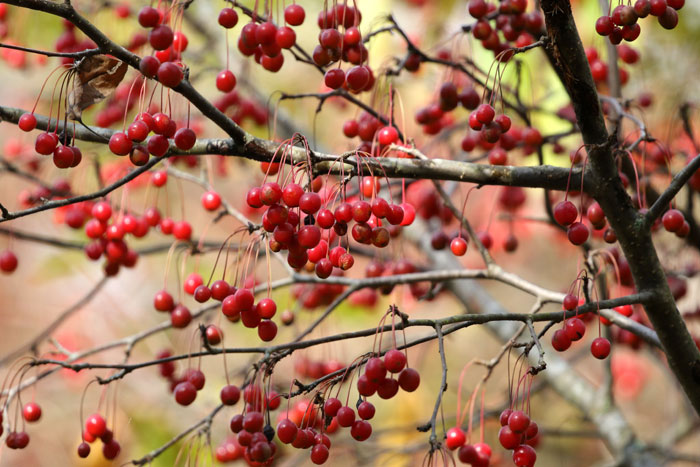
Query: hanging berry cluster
x=517, y=28
x=622, y=23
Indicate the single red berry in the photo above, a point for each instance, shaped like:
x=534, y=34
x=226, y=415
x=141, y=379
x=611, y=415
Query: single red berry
x=485, y=113
x=185, y=139
x=228, y=18
x=575, y=329
x=673, y=220
x=409, y=379
x=46, y=143
x=458, y=246
x=27, y=122
x=211, y=200
x=8, y=262
x=560, y=341
x=361, y=430
x=185, y=393
x=524, y=456
x=468, y=454
x=120, y=144
x=294, y=14
x=163, y=301
x=319, y=454
x=565, y=213
x=518, y=421
x=31, y=412
x=334, y=78
x=600, y=348
x=267, y=330
x=345, y=416
x=83, y=450
x=365, y=410
x=180, y=42
x=182, y=230
x=388, y=135
x=570, y=302
x=395, y=361
x=148, y=17
x=170, y=74
x=225, y=81
x=331, y=406
x=161, y=37
x=508, y=439
x=604, y=25
x=287, y=431
x=96, y=425
x=455, y=438
x=578, y=233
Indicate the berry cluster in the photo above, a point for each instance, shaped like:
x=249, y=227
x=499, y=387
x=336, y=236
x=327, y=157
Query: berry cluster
x=250, y=427
x=370, y=129
x=31, y=413
x=167, y=45
x=96, y=428
x=622, y=22
x=264, y=41
x=573, y=329
x=302, y=238
x=516, y=27
x=519, y=433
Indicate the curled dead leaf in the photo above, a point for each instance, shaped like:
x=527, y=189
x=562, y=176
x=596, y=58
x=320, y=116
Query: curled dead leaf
x=96, y=77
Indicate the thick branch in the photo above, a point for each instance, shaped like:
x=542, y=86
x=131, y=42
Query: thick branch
x=629, y=225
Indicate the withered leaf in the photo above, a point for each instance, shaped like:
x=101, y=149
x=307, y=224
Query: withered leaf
x=96, y=77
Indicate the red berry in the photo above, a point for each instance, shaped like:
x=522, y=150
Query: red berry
x=673, y=220
x=600, y=348
x=575, y=329
x=365, y=410
x=458, y=246
x=604, y=25
x=361, y=430
x=560, y=341
x=578, y=233
x=524, y=456
x=170, y=74
x=185, y=139
x=96, y=425
x=334, y=78
x=518, y=421
x=387, y=135
x=211, y=200
x=508, y=439
x=148, y=17
x=394, y=361
x=455, y=438
x=319, y=454
x=8, y=262
x=27, y=122
x=409, y=379
x=225, y=81
x=161, y=37
x=485, y=113
x=565, y=213
x=31, y=412
x=294, y=14
x=357, y=78
x=83, y=450
x=120, y=144
x=185, y=393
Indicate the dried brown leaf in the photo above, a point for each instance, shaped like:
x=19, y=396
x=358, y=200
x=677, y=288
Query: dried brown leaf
x=96, y=78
